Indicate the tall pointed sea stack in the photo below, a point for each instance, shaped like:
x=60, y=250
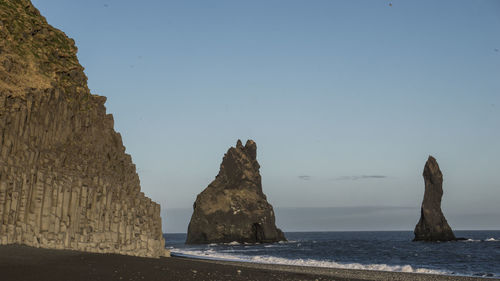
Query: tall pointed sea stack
x=432, y=225
x=233, y=207
x=65, y=179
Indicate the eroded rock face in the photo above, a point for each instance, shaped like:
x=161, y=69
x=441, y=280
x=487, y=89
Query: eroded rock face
x=65, y=179
x=233, y=207
x=432, y=225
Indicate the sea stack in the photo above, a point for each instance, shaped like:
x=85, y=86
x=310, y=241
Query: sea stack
x=65, y=179
x=432, y=225
x=233, y=206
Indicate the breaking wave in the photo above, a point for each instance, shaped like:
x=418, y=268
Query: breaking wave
x=214, y=255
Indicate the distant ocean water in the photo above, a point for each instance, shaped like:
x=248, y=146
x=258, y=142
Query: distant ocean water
x=377, y=250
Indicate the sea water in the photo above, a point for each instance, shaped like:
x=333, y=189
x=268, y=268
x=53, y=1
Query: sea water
x=479, y=255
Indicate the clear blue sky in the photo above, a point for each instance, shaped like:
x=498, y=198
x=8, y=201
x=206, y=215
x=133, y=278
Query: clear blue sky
x=333, y=92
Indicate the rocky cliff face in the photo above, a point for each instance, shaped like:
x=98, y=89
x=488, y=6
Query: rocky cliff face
x=65, y=179
x=432, y=225
x=233, y=207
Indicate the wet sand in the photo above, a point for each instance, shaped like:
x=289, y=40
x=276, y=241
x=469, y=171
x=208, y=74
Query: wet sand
x=19, y=263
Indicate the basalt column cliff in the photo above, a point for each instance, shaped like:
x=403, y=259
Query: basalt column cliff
x=233, y=207
x=65, y=179
x=432, y=225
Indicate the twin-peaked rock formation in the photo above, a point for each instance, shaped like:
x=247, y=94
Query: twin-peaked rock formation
x=432, y=225
x=233, y=207
x=65, y=179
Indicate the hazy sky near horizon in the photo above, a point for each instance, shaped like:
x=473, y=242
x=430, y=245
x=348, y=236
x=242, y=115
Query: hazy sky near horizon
x=345, y=99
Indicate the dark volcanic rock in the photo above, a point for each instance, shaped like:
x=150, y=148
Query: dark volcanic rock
x=233, y=207
x=432, y=225
x=65, y=179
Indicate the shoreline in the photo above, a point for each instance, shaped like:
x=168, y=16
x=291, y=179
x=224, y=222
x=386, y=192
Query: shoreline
x=349, y=274
x=218, y=259
x=18, y=262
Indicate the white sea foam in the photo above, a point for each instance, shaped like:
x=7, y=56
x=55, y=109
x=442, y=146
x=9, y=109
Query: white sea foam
x=472, y=240
x=491, y=240
x=272, y=246
x=210, y=254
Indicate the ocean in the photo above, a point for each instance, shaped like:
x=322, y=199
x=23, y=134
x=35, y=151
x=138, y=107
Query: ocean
x=479, y=255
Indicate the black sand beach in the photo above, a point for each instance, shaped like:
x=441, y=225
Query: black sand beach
x=18, y=263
